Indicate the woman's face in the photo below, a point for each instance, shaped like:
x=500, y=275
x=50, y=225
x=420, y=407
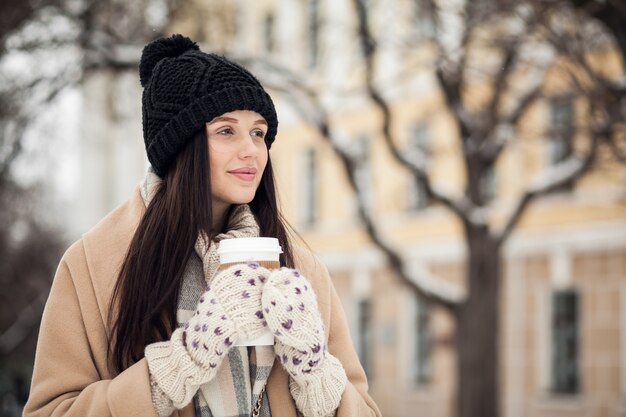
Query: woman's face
x=237, y=156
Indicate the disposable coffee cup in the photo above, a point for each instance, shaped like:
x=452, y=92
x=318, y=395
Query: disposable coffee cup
x=263, y=250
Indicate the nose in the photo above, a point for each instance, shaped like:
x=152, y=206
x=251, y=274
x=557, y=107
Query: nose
x=247, y=147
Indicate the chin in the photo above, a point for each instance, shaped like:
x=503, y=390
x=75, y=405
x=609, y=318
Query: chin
x=242, y=199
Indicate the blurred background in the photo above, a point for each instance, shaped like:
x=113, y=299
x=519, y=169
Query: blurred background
x=458, y=165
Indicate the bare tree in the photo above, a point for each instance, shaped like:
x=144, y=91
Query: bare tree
x=524, y=41
x=484, y=132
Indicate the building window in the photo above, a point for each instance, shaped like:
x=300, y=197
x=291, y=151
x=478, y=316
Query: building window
x=422, y=358
x=310, y=188
x=561, y=133
x=364, y=339
x=561, y=126
x=489, y=184
x=419, y=138
x=363, y=174
x=423, y=16
x=416, y=195
x=314, y=32
x=564, y=323
x=268, y=32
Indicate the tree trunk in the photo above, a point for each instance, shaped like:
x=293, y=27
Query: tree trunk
x=477, y=332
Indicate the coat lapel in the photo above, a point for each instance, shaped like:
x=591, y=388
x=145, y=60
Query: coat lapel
x=281, y=403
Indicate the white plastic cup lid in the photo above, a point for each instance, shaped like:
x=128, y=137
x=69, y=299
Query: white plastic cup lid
x=249, y=248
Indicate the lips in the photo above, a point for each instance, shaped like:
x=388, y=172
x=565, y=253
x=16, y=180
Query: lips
x=245, y=174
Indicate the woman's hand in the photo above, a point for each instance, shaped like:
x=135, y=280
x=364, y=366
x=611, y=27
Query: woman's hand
x=291, y=312
x=229, y=310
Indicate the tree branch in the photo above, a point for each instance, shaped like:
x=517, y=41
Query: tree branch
x=15, y=147
x=26, y=320
x=619, y=153
x=451, y=82
x=503, y=132
x=432, y=290
x=500, y=83
x=501, y=128
x=22, y=120
x=604, y=95
x=417, y=165
x=561, y=174
x=570, y=45
x=442, y=293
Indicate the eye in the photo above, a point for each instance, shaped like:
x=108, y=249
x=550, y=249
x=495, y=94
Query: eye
x=225, y=131
x=258, y=133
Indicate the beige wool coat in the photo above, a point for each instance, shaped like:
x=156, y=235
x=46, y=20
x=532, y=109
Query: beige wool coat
x=71, y=377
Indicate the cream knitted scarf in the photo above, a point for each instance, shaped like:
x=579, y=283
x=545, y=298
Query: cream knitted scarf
x=243, y=374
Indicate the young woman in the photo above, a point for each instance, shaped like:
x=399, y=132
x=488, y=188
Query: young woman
x=138, y=321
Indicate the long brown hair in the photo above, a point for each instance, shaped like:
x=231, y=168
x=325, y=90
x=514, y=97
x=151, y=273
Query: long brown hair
x=143, y=306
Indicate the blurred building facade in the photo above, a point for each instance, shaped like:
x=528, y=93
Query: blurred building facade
x=563, y=302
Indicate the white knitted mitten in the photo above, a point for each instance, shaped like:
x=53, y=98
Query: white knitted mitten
x=229, y=310
x=317, y=377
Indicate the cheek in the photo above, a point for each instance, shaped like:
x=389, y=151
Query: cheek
x=263, y=159
x=214, y=172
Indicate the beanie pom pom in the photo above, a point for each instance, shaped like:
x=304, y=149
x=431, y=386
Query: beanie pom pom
x=155, y=51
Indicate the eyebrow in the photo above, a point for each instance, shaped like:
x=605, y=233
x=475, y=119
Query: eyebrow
x=232, y=120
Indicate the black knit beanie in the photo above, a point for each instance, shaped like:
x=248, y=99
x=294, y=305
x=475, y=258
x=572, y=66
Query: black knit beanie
x=184, y=88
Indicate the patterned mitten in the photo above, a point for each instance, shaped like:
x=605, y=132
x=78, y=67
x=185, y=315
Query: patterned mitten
x=228, y=311
x=317, y=377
